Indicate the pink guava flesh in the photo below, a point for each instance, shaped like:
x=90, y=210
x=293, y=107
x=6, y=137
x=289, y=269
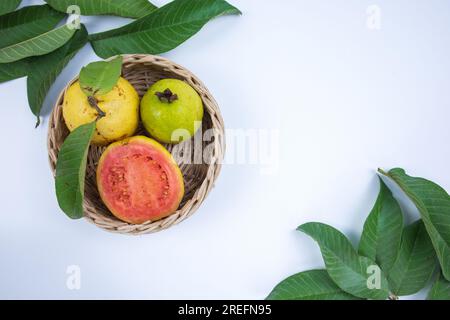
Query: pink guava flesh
x=139, y=182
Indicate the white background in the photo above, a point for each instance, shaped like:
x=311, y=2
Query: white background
x=345, y=100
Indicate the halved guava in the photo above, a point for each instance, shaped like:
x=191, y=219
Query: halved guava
x=139, y=181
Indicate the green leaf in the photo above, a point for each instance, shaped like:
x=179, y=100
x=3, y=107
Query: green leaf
x=122, y=8
x=433, y=203
x=6, y=6
x=380, y=240
x=99, y=78
x=37, y=46
x=71, y=170
x=44, y=70
x=440, y=289
x=27, y=23
x=309, y=285
x=161, y=30
x=14, y=70
x=351, y=272
x=21, y=25
x=416, y=261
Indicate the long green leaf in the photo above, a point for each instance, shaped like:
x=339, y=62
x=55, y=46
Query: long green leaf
x=440, y=289
x=6, y=6
x=20, y=25
x=14, y=70
x=433, y=203
x=37, y=46
x=351, y=272
x=44, y=70
x=122, y=8
x=71, y=170
x=161, y=30
x=27, y=23
x=380, y=240
x=309, y=285
x=416, y=261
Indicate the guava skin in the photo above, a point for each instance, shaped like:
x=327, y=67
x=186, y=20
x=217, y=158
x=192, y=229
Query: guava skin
x=164, y=117
x=121, y=106
x=139, y=181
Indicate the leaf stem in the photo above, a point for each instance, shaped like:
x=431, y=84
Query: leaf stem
x=93, y=104
x=393, y=297
x=38, y=122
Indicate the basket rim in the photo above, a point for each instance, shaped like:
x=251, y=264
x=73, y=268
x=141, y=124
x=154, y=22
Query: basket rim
x=190, y=206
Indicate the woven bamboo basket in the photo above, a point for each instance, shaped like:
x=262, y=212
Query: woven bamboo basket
x=199, y=176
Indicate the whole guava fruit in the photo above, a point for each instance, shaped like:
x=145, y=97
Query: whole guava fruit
x=139, y=181
x=120, y=105
x=171, y=111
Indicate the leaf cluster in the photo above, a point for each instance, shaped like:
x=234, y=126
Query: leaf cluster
x=392, y=259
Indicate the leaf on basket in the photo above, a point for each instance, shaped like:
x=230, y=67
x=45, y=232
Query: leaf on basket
x=122, y=8
x=100, y=77
x=71, y=170
x=162, y=30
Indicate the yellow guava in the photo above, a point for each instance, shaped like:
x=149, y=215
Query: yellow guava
x=121, y=106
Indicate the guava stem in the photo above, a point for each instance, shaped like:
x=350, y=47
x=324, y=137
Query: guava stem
x=167, y=96
x=93, y=104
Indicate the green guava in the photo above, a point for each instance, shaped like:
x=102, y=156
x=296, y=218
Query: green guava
x=171, y=111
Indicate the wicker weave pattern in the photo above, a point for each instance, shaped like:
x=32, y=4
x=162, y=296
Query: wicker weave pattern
x=142, y=71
